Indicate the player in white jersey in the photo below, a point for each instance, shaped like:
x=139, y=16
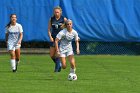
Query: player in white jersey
x=14, y=35
x=65, y=49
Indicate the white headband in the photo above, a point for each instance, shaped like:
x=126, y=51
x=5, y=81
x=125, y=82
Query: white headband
x=69, y=20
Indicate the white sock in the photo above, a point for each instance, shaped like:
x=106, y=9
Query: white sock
x=72, y=70
x=13, y=64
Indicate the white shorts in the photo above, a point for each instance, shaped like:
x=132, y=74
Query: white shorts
x=66, y=54
x=13, y=47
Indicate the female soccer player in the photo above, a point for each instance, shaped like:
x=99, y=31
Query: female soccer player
x=56, y=24
x=13, y=39
x=65, y=49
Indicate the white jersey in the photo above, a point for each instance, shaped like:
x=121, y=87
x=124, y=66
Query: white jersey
x=66, y=38
x=14, y=34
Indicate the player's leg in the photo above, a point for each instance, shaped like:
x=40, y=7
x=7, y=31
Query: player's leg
x=72, y=63
x=17, y=54
x=58, y=63
x=12, y=60
x=52, y=54
x=54, y=58
x=11, y=50
x=63, y=62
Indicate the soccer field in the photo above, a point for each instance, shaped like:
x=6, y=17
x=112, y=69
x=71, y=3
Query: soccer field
x=96, y=74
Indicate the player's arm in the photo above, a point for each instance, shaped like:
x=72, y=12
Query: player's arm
x=20, y=35
x=20, y=38
x=77, y=43
x=65, y=19
x=58, y=37
x=56, y=46
x=49, y=31
x=77, y=47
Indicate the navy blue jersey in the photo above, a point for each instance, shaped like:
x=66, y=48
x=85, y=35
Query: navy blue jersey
x=56, y=25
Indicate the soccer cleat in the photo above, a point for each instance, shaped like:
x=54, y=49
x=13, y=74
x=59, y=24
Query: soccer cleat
x=14, y=70
x=59, y=70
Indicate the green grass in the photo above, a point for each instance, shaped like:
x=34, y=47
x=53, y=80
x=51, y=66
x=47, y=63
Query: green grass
x=96, y=74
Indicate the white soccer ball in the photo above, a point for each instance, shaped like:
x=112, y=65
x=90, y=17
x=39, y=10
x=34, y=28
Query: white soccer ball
x=72, y=76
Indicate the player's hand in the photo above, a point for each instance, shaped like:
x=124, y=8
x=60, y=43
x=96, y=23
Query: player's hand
x=57, y=53
x=62, y=26
x=19, y=42
x=78, y=51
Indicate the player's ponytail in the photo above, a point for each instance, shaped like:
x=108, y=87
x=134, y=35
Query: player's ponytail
x=8, y=25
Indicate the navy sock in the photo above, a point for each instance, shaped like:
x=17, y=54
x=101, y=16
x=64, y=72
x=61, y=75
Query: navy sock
x=58, y=64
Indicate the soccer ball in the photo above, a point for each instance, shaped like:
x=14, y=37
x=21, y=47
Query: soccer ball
x=72, y=76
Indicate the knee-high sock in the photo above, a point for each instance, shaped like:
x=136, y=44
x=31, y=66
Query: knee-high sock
x=58, y=63
x=13, y=64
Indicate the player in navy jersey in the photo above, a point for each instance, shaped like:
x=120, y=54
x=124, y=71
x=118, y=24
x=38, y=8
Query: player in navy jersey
x=56, y=24
x=13, y=40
